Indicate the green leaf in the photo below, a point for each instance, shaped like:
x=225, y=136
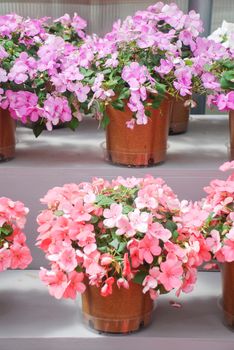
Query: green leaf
x=122, y=246
x=86, y=72
x=127, y=209
x=73, y=124
x=227, y=80
x=105, y=120
x=6, y=230
x=58, y=212
x=39, y=83
x=102, y=249
x=114, y=243
x=94, y=219
x=38, y=128
x=148, y=113
x=175, y=234
x=118, y=104
x=156, y=102
x=102, y=200
x=171, y=226
x=161, y=88
x=229, y=64
x=140, y=276
x=124, y=94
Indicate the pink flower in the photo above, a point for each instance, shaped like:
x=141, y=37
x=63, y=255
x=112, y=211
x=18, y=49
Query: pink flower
x=56, y=109
x=165, y=67
x=56, y=280
x=213, y=242
x=157, y=230
x=148, y=248
x=22, y=105
x=227, y=166
x=209, y=81
x=150, y=281
x=3, y=53
x=20, y=256
x=228, y=250
x=171, y=273
x=75, y=285
x=184, y=81
x=127, y=273
x=124, y=227
x=67, y=260
x=139, y=220
x=112, y=215
x=122, y=282
x=3, y=76
x=107, y=288
x=81, y=91
x=5, y=259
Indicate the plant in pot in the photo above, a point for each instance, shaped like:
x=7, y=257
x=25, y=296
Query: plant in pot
x=186, y=27
x=14, y=253
x=138, y=68
x=222, y=69
x=34, y=66
x=120, y=243
x=218, y=232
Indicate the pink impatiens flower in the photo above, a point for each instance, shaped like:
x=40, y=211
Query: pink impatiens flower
x=67, y=260
x=150, y=281
x=107, y=288
x=148, y=248
x=5, y=259
x=171, y=273
x=112, y=215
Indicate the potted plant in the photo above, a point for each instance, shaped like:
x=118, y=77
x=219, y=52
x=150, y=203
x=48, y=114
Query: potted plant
x=186, y=27
x=137, y=69
x=14, y=253
x=36, y=70
x=218, y=232
x=223, y=70
x=120, y=243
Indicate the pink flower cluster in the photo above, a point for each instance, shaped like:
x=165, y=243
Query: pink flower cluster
x=210, y=222
x=14, y=252
x=218, y=228
x=224, y=101
x=114, y=232
x=42, y=67
x=153, y=51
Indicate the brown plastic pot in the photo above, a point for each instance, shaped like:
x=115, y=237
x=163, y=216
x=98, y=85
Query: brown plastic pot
x=231, y=133
x=228, y=293
x=144, y=145
x=179, y=117
x=7, y=136
x=124, y=311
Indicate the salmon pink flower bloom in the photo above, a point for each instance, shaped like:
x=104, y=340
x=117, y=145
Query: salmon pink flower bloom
x=107, y=288
x=112, y=215
x=171, y=274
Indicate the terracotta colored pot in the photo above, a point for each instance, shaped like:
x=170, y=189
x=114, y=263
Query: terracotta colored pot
x=228, y=292
x=142, y=146
x=7, y=136
x=124, y=311
x=231, y=133
x=179, y=117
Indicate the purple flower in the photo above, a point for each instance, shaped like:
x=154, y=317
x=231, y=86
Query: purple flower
x=22, y=105
x=81, y=91
x=210, y=81
x=56, y=109
x=3, y=75
x=165, y=67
